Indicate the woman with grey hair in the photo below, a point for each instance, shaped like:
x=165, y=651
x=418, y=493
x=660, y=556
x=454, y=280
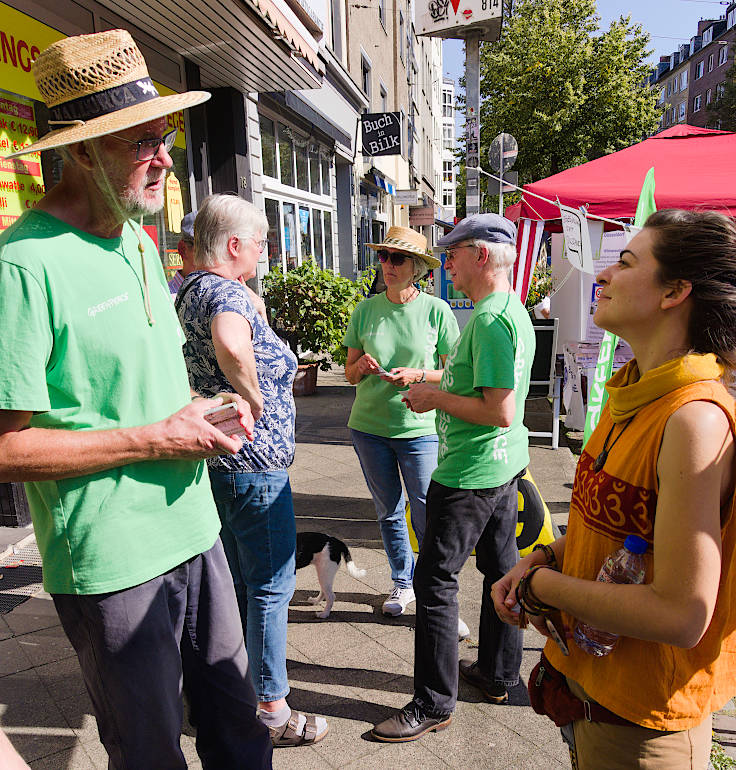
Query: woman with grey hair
x=395, y=338
x=231, y=347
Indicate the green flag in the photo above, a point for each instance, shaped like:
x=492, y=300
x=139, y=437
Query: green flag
x=604, y=366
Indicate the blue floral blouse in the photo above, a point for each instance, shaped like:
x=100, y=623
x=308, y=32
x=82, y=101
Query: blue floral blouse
x=273, y=445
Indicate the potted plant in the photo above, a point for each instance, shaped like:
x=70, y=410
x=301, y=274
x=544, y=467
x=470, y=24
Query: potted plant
x=310, y=308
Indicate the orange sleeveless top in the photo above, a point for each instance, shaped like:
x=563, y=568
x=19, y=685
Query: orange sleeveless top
x=651, y=684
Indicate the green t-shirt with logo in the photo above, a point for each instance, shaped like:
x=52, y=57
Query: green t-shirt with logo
x=415, y=334
x=495, y=350
x=78, y=351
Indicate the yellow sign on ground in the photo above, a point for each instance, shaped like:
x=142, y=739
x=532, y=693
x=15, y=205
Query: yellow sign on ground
x=535, y=521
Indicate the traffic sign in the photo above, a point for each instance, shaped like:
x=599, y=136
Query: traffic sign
x=502, y=152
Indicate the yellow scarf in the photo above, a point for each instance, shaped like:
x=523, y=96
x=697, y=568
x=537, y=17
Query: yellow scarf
x=628, y=392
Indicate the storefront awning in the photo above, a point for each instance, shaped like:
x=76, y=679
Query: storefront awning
x=246, y=44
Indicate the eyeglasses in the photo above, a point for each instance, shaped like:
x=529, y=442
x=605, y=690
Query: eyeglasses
x=262, y=243
x=147, y=149
x=384, y=255
x=452, y=252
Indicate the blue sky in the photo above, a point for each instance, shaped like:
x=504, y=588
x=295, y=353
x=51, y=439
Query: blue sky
x=669, y=22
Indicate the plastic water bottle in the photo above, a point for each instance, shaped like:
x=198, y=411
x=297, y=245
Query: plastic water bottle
x=624, y=566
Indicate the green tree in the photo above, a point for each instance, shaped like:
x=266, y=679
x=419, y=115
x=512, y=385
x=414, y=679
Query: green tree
x=724, y=106
x=567, y=90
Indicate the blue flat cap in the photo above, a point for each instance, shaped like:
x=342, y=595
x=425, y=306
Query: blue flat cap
x=187, y=224
x=485, y=227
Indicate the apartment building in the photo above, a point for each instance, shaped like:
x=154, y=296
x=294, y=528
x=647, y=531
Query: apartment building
x=690, y=80
x=448, y=209
x=709, y=67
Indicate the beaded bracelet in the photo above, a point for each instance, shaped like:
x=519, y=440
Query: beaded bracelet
x=526, y=599
x=549, y=553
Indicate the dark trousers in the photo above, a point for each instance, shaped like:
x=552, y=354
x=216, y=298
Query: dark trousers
x=136, y=645
x=459, y=520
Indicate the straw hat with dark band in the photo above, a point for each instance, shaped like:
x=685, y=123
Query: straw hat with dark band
x=98, y=84
x=409, y=241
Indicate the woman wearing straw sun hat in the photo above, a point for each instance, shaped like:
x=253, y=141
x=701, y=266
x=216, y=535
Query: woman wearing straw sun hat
x=395, y=338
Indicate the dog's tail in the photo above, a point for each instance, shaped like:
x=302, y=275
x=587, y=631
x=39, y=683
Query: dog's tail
x=350, y=564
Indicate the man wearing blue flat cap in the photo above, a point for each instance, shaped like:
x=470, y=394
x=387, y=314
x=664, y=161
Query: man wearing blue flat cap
x=472, y=499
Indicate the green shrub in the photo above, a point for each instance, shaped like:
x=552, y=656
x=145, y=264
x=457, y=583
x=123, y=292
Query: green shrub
x=310, y=308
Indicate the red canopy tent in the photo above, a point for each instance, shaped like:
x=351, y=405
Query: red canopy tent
x=694, y=168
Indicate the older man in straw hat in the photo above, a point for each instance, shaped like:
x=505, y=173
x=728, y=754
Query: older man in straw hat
x=472, y=499
x=91, y=380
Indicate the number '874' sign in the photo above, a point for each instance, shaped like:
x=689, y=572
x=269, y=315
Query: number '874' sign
x=458, y=18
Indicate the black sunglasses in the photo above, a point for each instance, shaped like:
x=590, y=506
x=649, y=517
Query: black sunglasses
x=384, y=255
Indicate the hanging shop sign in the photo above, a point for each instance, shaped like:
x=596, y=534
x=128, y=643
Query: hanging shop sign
x=459, y=18
x=381, y=133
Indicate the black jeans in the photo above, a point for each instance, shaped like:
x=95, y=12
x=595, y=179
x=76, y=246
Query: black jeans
x=459, y=520
x=135, y=645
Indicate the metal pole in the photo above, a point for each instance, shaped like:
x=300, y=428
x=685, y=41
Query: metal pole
x=500, y=184
x=472, y=123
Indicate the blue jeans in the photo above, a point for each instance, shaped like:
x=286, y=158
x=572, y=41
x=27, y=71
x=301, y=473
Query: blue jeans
x=259, y=536
x=381, y=459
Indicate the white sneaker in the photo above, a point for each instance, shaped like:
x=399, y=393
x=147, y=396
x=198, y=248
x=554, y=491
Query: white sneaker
x=397, y=601
x=463, y=632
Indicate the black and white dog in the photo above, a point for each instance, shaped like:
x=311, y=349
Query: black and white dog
x=325, y=553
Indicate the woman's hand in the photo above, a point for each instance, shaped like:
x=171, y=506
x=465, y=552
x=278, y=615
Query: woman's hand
x=401, y=376
x=366, y=364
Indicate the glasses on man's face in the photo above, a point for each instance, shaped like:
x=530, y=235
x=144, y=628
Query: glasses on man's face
x=384, y=255
x=147, y=149
x=452, y=252
x=262, y=243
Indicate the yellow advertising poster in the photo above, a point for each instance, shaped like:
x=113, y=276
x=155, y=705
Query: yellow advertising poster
x=21, y=181
x=175, y=120
x=21, y=40
x=174, y=205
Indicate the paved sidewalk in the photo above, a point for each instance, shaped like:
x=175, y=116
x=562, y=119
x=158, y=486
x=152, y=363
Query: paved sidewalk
x=354, y=667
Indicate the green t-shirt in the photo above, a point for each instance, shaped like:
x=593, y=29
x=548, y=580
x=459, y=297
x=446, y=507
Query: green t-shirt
x=495, y=350
x=77, y=350
x=415, y=335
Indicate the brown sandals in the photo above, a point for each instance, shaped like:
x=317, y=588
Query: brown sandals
x=287, y=736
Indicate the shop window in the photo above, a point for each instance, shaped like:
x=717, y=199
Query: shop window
x=302, y=171
x=314, y=182
x=317, y=229
x=268, y=146
x=325, y=176
x=305, y=232
x=328, y=240
x=286, y=151
x=274, y=233
x=290, y=235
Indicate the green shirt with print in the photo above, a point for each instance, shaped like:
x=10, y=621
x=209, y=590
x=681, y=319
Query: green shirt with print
x=78, y=351
x=495, y=350
x=414, y=334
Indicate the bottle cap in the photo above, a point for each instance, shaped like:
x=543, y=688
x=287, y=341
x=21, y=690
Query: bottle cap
x=635, y=544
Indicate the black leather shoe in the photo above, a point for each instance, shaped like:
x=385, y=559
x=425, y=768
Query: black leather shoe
x=409, y=724
x=470, y=672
